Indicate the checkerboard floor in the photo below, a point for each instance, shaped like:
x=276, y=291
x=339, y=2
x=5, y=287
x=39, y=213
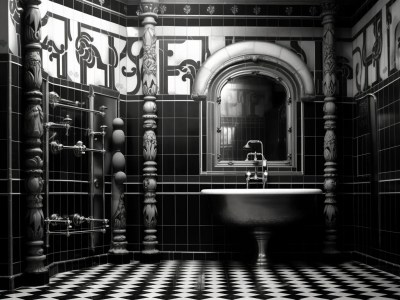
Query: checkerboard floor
x=217, y=280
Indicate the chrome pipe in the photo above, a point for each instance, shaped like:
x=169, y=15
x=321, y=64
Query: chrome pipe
x=103, y=130
x=79, y=220
x=91, y=164
x=55, y=219
x=55, y=98
x=368, y=95
x=69, y=233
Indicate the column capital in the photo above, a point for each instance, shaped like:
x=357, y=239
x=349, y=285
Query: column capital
x=328, y=8
x=149, y=8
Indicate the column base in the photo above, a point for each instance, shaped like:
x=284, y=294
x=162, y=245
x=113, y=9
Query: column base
x=262, y=236
x=119, y=259
x=36, y=278
x=150, y=257
x=334, y=257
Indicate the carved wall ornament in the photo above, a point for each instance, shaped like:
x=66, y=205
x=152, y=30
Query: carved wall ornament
x=149, y=8
x=33, y=24
x=313, y=11
x=150, y=215
x=33, y=70
x=328, y=8
x=330, y=212
x=234, y=9
x=120, y=214
x=162, y=9
x=289, y=10
x=149, y=62
x=33, y=125
x=187, y=9
x=149, y=145
x=211, y=9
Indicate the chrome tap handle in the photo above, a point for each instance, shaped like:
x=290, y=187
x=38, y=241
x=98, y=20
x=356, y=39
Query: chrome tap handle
x=55, y=147
x=54, y=98
x=79, y=149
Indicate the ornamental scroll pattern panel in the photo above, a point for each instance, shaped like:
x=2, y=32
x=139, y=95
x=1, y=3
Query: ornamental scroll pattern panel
x=114, y=60
x=14, y=28
x=392, y=23
x=56, y=39
x=181, y=58
x=374, y=49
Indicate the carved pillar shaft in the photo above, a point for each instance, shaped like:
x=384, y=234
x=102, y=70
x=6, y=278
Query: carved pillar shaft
x=33, y=131
x=149, y=11
x=118, y=249
x=330, y=147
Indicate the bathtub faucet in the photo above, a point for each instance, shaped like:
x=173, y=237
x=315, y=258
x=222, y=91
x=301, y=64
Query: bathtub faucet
x=255, y=156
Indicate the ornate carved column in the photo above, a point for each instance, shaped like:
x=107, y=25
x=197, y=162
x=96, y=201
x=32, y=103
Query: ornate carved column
x=149, y=11
x=330, y=148
x=35, y=272
x=118, y=252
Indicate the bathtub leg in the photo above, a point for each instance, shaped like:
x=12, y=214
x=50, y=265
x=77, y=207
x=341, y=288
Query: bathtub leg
x=262, y=237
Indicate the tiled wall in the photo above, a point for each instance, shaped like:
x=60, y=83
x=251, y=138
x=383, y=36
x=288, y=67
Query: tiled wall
x=11, y=185
x=375, y=228
x=11, y=190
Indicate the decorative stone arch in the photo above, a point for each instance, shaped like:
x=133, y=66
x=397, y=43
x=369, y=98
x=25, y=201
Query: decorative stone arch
x=271, y=55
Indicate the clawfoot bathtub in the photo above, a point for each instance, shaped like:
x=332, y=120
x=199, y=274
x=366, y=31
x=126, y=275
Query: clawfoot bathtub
x=261, y=210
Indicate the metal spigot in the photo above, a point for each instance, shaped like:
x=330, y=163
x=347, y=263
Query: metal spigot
x=65, y=124
x=264, y=173
x=248, y=175
x=67, y=121
x=265, y=178
x=103, y=109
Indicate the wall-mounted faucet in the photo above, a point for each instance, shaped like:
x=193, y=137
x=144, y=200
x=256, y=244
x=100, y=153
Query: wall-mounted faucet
x=65, y=124
x=79, y=148
x=254, y=155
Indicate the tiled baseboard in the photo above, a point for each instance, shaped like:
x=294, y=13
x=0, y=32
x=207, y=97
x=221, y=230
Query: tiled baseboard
x=10, y=283
x=376, y=262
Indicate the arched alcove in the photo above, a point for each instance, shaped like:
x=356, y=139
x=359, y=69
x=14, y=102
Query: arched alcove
x=251, y=59
x=275, y=56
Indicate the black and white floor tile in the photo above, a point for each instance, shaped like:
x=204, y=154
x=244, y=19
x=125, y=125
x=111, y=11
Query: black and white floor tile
x=216, y=280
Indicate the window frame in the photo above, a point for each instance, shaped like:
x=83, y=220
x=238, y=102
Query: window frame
x=209, y=137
